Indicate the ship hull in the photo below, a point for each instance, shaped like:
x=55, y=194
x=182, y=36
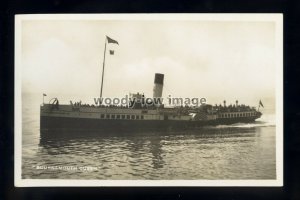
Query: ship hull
x=68, y=124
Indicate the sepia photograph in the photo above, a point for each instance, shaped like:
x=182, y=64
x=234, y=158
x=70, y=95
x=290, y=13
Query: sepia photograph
x=148, y=100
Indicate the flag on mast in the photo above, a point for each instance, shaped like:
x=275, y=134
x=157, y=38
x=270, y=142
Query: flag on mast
x=109, y=40
x=260, y=103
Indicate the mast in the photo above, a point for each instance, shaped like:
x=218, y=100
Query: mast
x=103, y=69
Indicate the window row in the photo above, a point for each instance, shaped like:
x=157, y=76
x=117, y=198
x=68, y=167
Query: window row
x=232, y=115
x=116, y=116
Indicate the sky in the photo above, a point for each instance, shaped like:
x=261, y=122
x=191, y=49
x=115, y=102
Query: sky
x=215, y=60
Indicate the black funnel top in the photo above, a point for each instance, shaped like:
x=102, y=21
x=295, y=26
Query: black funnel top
x=159, y=79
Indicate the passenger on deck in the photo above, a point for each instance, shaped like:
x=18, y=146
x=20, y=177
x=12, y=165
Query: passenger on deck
x=57, y=104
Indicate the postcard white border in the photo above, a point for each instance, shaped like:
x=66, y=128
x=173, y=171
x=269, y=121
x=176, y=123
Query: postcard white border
x=277, y=18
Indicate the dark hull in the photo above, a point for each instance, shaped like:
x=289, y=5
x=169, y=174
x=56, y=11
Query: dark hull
x=102, y=125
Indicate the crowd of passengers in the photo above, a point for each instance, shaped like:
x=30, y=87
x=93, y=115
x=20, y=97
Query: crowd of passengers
x=233, y=108
x=221, y=108
x=79, y=104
